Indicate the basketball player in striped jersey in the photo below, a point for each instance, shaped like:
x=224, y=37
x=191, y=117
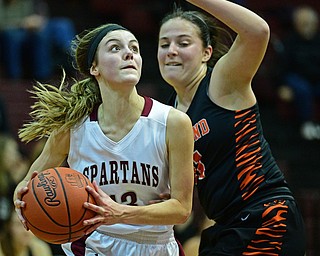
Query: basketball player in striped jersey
x=239, y=184
x=128, y=145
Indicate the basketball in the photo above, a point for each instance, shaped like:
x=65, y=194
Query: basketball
x=54, y=205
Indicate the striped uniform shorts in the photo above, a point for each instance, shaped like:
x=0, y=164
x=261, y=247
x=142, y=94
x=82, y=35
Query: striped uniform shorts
x=274, y=228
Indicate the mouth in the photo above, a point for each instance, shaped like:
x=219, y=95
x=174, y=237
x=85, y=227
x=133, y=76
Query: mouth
x=173, y=64
x=129, y=67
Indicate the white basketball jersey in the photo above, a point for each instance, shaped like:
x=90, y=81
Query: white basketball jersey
x=131, y=171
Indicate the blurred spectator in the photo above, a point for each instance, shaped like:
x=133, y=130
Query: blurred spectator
x=13, y=167
x=300, y=69
x=28, y=34
x=16, y=241
x=4, y=127
x=141, y=17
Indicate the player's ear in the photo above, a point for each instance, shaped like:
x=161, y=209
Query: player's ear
x=94, y=69
x=207, y=54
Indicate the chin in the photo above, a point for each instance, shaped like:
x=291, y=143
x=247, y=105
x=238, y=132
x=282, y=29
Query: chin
x=133, y=81
x=131, y=77
x=171, y=79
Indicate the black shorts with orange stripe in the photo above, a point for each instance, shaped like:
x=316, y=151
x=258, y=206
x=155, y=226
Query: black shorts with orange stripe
x=274, y=228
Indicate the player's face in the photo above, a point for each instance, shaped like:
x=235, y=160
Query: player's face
x=180, y=51
x=118, y=59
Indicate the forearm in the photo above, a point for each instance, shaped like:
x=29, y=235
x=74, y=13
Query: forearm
x=37, y=166
x=238, y=18
x=53, y=154
x=170, y=212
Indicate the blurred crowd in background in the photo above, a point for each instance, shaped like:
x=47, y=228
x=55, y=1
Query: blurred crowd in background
x=35, y=38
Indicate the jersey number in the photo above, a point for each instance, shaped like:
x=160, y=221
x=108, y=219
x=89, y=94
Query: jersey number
x=199, y=168
x=130, y=198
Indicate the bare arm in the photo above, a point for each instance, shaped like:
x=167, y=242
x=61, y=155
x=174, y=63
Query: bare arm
x=231, y=79
x=53, y=154
x=175, y=210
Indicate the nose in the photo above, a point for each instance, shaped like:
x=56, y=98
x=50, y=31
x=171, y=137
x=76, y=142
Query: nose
x=172, y=50
x=129, y=54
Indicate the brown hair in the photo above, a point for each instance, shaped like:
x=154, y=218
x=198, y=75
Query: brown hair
x=60, y=108
x=210, y=33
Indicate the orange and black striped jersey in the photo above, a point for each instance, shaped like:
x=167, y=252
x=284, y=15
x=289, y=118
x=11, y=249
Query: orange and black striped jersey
x=233, y=163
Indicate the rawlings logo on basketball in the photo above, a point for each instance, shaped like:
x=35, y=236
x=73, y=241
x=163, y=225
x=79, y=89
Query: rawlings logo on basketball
x=49, y=185
x=74, y=180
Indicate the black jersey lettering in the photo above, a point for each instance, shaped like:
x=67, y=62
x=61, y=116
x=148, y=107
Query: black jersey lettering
x=116, y=172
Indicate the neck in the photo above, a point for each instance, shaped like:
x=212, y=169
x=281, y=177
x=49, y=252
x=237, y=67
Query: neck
x=118, y=115
x=185, y=93
x=129, y=107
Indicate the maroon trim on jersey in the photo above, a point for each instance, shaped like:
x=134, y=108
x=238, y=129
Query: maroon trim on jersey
x=181, y=251
x=78, y=247
x=145, y=112
x=147, y=106
x=94, y=113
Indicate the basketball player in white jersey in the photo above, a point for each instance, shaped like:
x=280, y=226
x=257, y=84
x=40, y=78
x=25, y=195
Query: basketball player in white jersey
x=131, y=147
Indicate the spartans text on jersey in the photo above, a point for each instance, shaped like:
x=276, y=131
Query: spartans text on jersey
x=115, y=172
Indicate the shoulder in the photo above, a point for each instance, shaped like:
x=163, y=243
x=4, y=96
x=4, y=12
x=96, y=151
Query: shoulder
x=157, y=104
x=178, y=119
x=179, y=129
x=174, y=117
x=156, y=110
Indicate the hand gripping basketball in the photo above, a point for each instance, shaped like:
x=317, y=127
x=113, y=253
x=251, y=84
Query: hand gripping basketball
x=54, y=205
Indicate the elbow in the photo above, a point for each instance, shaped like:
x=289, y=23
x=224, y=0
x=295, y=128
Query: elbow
x=263, y=33
x=259, y=32
x=265, y=30
x=259, y=37
x=184, y=215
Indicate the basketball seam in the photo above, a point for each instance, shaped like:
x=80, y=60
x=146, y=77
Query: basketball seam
x=67, y=203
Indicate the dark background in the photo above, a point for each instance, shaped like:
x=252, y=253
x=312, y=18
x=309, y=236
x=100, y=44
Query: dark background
x=298, y=158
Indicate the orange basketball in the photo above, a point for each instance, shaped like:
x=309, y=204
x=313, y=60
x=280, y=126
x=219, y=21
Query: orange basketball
x=54, y=205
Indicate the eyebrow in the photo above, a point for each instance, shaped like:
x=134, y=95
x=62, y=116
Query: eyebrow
x=117, y=40
x=179, y=36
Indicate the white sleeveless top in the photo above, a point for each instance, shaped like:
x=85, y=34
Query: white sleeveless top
x=131, y=171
